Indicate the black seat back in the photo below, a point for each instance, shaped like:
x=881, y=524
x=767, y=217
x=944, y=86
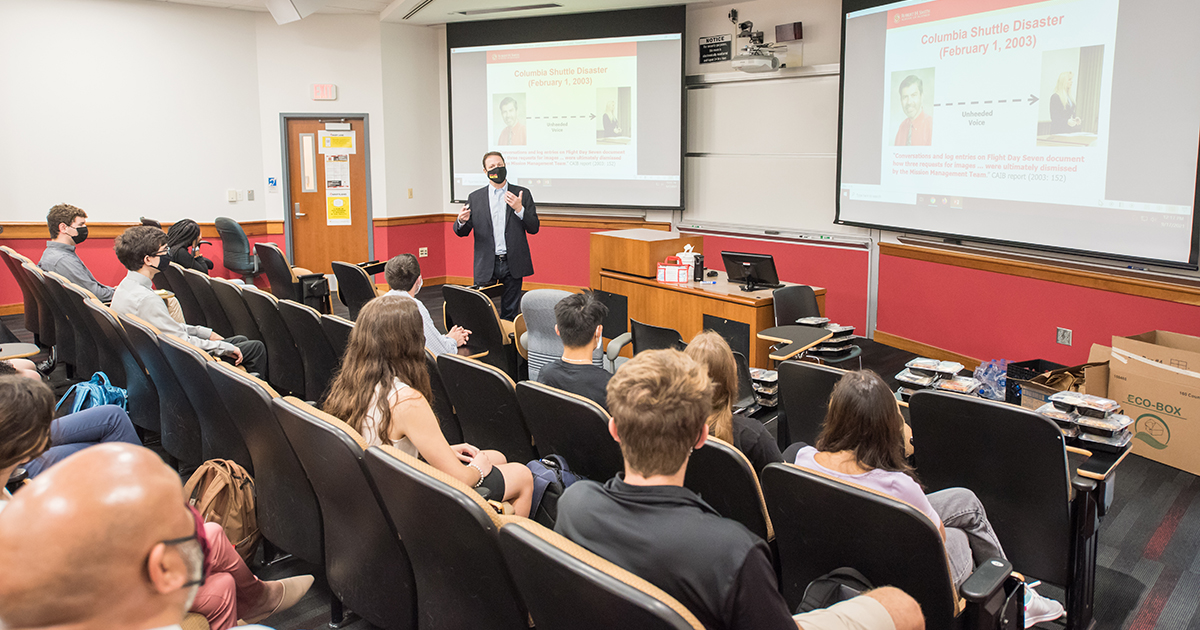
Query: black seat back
x=287, y=368
x=822, y=524
x=284, y=283
x=793, y=302
x=28, y=296
x=180, y=428
x=176, y=282
x=87, y=355
x=453, y=543
x=355, y=287
x=47, y=319
x=745, y=383
x=485, y=401
x=367, y=567
x=1014, y=460
x=285, y=503
x=473, y=310
x=804, y=389
x=647, y=337
x=337, y=333
x=229, y=295
x=143, y=396
x=320, y=362
x=724, y=478
x=219, y=436
x=567, y=587
x=214, y=315
x=235, y=248
x=441, y=401
x=105, y=341
x=572, y=426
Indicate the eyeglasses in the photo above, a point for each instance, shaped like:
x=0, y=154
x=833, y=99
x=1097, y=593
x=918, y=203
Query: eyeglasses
x=166, y=251
x=198, y=523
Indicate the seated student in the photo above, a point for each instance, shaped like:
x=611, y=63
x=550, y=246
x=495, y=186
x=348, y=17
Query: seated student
x=69, y=434
x=106, y=540
x=183, y=239
x=142, y=250
x=68, y=228
x=647, y=523
x=862, y=441
x=382, y=391
x=746, y=434
x=26, y=409
x=24, y=367
x=403, y=275
x=579, y=322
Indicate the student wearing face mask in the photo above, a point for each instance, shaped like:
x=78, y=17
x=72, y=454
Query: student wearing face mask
x=501, y=253
x=68, y=228
x=183, y=239
x=105, y=540
x=143, y=251
x=579, y=322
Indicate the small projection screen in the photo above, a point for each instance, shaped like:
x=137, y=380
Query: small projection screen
x=587, y=109
x=1065, y=125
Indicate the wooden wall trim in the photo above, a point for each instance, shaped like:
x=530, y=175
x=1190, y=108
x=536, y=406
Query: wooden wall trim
x=468, y=280
x=546, y=220
x=924, y=349
x=12, y=309
x=106, y=229
x=1141, y=287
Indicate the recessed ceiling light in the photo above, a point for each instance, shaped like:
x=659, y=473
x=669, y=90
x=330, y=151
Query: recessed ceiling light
x=527, y=7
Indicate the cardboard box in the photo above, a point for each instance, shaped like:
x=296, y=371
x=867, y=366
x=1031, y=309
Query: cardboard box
x=1036, y=390
x=1149, y=375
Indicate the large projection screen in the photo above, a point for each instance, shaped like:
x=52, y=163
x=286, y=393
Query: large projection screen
x=587, y=109
x=1065, y=125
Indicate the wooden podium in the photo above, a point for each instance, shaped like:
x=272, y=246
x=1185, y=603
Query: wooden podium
x=625, y=262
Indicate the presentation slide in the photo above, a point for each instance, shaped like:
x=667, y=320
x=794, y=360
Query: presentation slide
x=1034, y=122
x=583, y=122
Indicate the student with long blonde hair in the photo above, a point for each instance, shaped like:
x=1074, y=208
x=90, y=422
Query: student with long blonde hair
x=382, y=391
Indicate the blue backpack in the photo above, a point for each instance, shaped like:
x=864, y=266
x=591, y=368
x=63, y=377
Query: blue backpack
x=96, y=392
x=551, y=477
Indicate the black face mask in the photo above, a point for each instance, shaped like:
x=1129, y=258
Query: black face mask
x=498, y=174
x=80, y=234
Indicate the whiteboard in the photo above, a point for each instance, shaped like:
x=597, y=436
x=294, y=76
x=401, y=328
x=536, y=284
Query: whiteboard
x=763, y=154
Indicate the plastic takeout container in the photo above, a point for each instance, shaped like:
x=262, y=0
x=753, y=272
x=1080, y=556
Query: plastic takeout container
x=1063, y=418
x=766, y=390
x=764, y=376
x=812, y=321
x=1108, y=444
x=907, y=376
x=960, y=384
x=1104, y=427
x=933, y=367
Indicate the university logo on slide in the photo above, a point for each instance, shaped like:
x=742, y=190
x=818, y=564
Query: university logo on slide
x=1152, y=430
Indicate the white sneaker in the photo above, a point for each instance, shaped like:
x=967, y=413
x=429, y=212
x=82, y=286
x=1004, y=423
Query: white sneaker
x=1039, y=608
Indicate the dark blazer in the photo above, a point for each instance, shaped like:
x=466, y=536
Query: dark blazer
x=520, y=264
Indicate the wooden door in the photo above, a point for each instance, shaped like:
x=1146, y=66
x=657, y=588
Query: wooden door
x=319, y=152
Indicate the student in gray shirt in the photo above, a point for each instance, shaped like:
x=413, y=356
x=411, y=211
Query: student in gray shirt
x=143, y=251
x=68, y=228
x=403, y=275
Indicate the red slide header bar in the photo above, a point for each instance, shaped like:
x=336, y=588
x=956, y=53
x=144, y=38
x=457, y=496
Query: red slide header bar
x=563, y=53
x=947, y=9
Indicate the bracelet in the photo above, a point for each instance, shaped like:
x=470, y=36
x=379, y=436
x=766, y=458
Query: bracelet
x=481, y=475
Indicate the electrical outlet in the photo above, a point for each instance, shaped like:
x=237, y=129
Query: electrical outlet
x=1064, y=336
x=423, y=252
x=249, y=195
x=410, y=193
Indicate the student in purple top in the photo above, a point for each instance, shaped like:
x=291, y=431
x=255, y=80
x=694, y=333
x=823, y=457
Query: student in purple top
x=863, y=441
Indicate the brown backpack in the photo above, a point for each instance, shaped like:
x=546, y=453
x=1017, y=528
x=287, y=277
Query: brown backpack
x=223, y=492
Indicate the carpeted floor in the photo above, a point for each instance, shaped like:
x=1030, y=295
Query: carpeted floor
x=1148, y=573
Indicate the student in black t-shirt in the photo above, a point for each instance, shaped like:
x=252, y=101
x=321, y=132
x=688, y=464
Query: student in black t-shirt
x=579, y=322
x=646, y=522
x=746, y=434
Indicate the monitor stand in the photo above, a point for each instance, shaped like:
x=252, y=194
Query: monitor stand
x=750, y=280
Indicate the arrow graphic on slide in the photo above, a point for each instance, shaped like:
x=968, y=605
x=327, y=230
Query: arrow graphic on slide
x=1032, y=99
x=589, y=116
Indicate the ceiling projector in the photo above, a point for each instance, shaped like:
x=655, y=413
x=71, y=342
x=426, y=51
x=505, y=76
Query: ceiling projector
x=756, y=62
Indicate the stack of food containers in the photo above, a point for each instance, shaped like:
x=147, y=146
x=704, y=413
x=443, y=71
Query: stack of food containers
x=766, y=387
x=837, y=345
x=924, y=373
x=1095, y=421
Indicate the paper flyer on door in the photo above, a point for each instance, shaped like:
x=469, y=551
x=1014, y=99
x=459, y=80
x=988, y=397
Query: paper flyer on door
x=336, y=142
x=337, y=207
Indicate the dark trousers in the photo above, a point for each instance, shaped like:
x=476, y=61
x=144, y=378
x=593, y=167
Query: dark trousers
x=76, y=431
x=510, y=300
x=254, y=354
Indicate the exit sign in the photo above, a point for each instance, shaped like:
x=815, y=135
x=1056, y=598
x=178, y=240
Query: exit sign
x=324, y=92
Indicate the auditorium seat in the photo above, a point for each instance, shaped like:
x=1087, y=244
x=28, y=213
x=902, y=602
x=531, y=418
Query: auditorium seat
x=285, y=284
x=648, y=337
x=485, y=401
x=287, y=368
x=366, y=565
x=180, y=429
x=822, y=523
x=233, y=304
x=573, y=427
x=107, y=356
x=471, y=309
x=213, y=313
x=47, y=319
x=29, y=298
x=87, y=359
x=337, y=333
x=567, y=587
x=220, y=438
x=320, y=362
x=723, y=476
x=193, y=313
x=288, y=514
x=235, y=249
x=441, y=401
x=453, y=543
x=143, y=396
x=355, y=287
x=804, y=390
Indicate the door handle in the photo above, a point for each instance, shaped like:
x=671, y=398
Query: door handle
x=297, y=210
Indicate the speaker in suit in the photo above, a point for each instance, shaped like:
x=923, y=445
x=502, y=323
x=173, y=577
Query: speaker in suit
x=501, y=253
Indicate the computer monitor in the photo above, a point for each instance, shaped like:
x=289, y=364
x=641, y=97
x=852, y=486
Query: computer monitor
x=752, y=271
